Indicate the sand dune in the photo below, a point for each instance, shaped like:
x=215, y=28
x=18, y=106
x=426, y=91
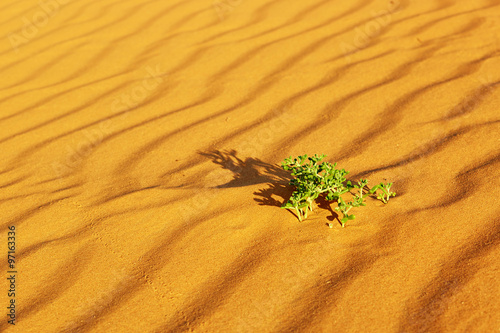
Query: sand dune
x=141, y=144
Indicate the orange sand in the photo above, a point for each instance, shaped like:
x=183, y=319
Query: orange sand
x=140, y=144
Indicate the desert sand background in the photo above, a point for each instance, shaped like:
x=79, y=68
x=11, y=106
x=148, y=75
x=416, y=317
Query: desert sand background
x=140, y=152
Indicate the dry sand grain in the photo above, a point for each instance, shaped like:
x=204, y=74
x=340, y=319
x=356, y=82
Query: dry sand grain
x=140, y=151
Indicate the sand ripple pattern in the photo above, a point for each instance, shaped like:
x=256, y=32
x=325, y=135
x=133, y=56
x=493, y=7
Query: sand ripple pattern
x=141, y=143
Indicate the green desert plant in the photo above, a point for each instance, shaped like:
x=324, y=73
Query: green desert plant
x=344, y=208
x=386, y=192
x=313, y=178
x=358, y=201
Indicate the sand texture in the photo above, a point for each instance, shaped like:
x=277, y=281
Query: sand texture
x=141, y=143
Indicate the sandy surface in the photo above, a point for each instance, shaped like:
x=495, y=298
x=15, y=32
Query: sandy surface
x=140, y=151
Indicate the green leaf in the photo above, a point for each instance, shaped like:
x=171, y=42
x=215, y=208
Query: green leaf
x=312, y=177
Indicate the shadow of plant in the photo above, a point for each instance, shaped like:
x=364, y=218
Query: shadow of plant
x=252, y=171
x=325, y=204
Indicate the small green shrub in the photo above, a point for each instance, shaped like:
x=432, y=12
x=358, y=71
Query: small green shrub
x=386, y=192
x=312, y=179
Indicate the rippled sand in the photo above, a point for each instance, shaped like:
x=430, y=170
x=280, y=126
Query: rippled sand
x=140, y=151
